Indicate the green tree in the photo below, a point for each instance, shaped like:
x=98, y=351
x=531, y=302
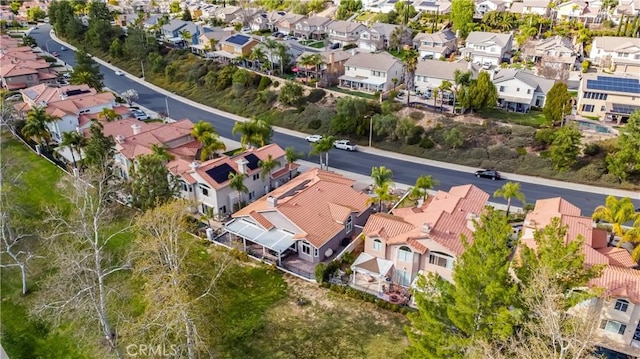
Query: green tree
x=151, y=183
x=186, y=15
x=350, y=116
x=508, y=191
x=626, y=159
x=291, y=156
x=109, y=114
x=267, y=166
x=162, y=153
x=565, y=148
x=423, y=183
x=236, y=183
x=454, y=138
x=557, y=105
x=615, y=212
x=481, y=305
x=383, y=194
x=382, y=182
x=481, y=93
x=35, y=14
x=74, y=141
x=410, y=65
x=204, y=133
x=632, y=236
x=85, y=77
x=323, y=147
x=385, y=125
x=315, y=6
x=462, y=15
x=36, y=126
x=99, y=151
x=461, y=80
x=174, y=7
x=291, y=94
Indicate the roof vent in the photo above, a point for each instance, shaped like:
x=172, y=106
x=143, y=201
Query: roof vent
x=193, y=165
x=120, y=138
x=426, y=228
x=272, y=201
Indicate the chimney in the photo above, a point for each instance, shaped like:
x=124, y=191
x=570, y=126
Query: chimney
x=136, y=129
x=420, y=203
x=119, y=138
x=426, y=228
x=242, y=165
x=193, y=165
x=272, y=202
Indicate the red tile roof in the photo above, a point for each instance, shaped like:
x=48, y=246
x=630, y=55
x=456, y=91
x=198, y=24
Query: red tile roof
x=620, y=282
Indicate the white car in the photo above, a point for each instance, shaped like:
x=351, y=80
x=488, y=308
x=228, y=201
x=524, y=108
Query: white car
x=344, y=145
x=119, y=73
x=313, y=138
x=140, y=115
x=16, y=97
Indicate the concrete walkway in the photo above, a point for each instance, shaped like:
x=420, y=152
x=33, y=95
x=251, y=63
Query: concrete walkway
x=466, y=169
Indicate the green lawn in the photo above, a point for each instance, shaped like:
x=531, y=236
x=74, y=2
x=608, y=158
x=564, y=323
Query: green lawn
x=366, y=16
x=533, y=118
x=368, y=96
x=313, y=43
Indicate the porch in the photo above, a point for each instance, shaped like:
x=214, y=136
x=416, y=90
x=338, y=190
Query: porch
x=271, y=245
x=360, y=83
x=514, y=104
x=388, y=292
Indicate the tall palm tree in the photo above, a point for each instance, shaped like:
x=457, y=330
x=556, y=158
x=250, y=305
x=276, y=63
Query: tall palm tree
x=323, y=147
x=36, y=126
x=381, y=176
x=508, y=191
x=257, y=55
x=211, y=145
x=314, y=60
x=201, y=130
x=254, y=132
x=291, y=156
x=74, y=141
x=444, y=86
x=236, y=183
x=267, y=167
x=615, y=212
x=410, y=65
x=162, y=153
x=271, y=45
x=383, y=195
x=632, y=235
x=461, y=80
x=283, y=56
x=186, y=36
x=423, y=183
x=246, y=130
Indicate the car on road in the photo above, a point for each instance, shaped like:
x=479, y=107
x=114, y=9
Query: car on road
x=140, y=115
x=63, y=48
x=344, y=145
x=493, y=174
x=54, y=54
x=313, y=138
x=119, y=73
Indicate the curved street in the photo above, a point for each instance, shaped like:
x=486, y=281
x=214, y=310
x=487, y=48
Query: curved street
x=405, y=168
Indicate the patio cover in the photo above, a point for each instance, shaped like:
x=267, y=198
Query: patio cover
x=373, y=266
x=375, y=82
x=273, y=239
x=175, y=40
x=227, y=54
x=351, y=78
x=65, y=152
x=515, y=99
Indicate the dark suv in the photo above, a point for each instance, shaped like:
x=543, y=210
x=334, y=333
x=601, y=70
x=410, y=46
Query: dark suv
x=493, y=174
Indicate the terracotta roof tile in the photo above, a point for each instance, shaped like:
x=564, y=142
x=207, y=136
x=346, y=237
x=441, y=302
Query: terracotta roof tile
x=618, y=257
x=263, y=222
x=620, y=282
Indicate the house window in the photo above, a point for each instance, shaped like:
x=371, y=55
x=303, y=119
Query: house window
x=223, y=209
x=256, y=176
x=587, y=108
x=377, y=244
x=252, y=195
x=204, y=190
x=621, y=305
x=528, y=91
x=349, y=225
x=183, y=186
x=306, y=248
x=518, y=89
x=404, y=254
x=403, y=278
x=613, y=326
x=440, y=259
x=315, y=252
x=603, y=108
x=501, y=88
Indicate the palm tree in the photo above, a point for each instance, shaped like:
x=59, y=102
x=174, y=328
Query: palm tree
x=510, y=190
x=444, y=86
x=632, y=235
x=323, y=147
x=254, y=132
x=410, y=64
x=383, y=195
x=423, y=183
x=257, y=55
x=381, y=176
x=246, y=130
x=162, y=153
x=615, y=212
x=267, y=167
x=211, y=145
x=186, y=36
x=314, y=60
x=109, y=114
x=271, y=45
x=74, y=141
x=36, y=126
x=460, y=79
x=201, y=130
x=236, y=183
x=281, y=50
x=291, y=156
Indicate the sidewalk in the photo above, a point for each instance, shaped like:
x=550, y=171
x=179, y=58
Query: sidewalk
x=378, y=152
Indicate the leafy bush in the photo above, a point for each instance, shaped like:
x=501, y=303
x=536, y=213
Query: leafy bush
x=416, y=135
x=591, y=149
x=521, y=151
x=316, y=95
x=427, y=143
x=276, y=83
x=416, y=115
x=319, y=272
x=348, y=258
x=544, y=137
x=265, y=82
x=314, y=124
x=592, y=172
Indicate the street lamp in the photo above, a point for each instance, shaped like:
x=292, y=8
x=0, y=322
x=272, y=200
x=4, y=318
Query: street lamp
x=166, y=103
x=370, y=128
x=142, y=65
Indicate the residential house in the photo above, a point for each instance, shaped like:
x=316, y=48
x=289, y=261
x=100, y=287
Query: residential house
x=555, y=52
x=411, y=241
x=521, y=90
x=625, y=8
x=171, y=30
x=433, y=7
x=152, y=21
x=331, y=68
x=74, y=105
x=484, y=6
x=287, y=24
x=310, y=218
x=179, y=33
x=235, y=46
x=20, y=70
x=533, y=7
x=372, y=72
x=345, y=32
x=431, y=73
x=586, y=12
x=211, y=40
x=619, y=306
x=266, y=21
x=313, y=27
x=608, y=97
x=487, y=48
x=438, y=45
x=382, y=36
x=618, y=54
x=227, y=14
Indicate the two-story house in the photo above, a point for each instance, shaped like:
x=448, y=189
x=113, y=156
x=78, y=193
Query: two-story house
x=287, y=24
x=484, y=6
x=332, y=65
x=487, y=48
x=74, y=106
x=438, y=45
x=17, y=74
x=345, y=32
x=235, y=46
x=313, y=27
x=211, y=40
x=609, y=97
x=556, y=52
x=381, y=36
x=372, y=72
x=307, y=219
x=266, y=20
x=227, y=14
x=171, y=30
x=583, y=11
x=411, y=241
x=433, y=7
x=520, y=90
x=618, y=54
x=431, y=73
x=534, y=7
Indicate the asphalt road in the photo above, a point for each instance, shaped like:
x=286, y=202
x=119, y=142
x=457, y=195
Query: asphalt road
x=358, y=162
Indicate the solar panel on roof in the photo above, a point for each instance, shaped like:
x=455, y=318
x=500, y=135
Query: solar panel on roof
x=427, y=3
x=238, y=39
x=617, y=84
x=624, y=109
x=253, y=161
x=220, y=173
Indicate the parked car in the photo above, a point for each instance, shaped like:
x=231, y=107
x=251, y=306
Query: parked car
x=313, y=138
x=16, y=97
x=335, y=46
x=140, y=115
x=119, y=73
x=344, y=145
x=246, y=29
x=493, y=174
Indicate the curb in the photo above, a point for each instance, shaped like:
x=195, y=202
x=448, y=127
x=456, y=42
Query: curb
x=375, y=151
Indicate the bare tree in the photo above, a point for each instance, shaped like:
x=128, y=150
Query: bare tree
x=82, y=250
x=168, y=260
x=130, y=96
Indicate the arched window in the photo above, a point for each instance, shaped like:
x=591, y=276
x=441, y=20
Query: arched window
x=621, y=305
x=377, y=245
x=349, y=225
x=404, y=254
